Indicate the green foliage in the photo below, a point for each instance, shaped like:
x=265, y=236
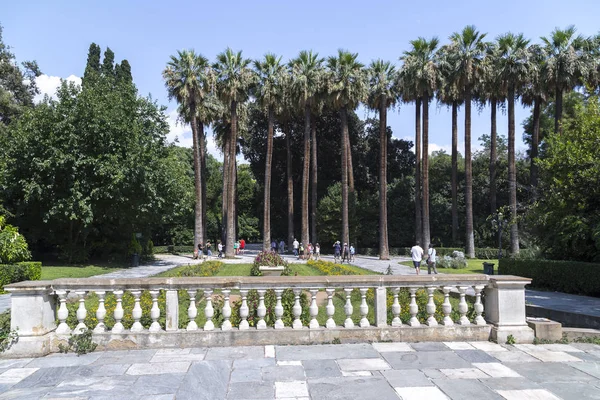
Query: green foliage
x=13, y=246
x=134, y=246
x=207, y=268
x=270, y=259
x=23, y=271
x=510, y=339
x=7, y=336
x=287, y=301
x=560, y=276
x=329, y=268
x=80, y=343
x=455, y=261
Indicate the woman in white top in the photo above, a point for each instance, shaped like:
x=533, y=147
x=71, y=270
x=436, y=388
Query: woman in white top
x=431, y=259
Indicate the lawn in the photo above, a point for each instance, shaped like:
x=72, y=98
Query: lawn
x=50, y=272
x=474, y=266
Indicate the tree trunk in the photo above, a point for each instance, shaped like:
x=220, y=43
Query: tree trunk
x=493, y=156
x=454, y=172
x=535, y=144
x=198, y=238
x=418, y=216
x=313, y=183
x=384, y=250
x=235, y=195
x=558, y=111
x=305, y=176
x=345, y=226
x=425, y=208
x=290, y=189
x=231, y=184
x=351, y=188
x=350, y=165
x=267, y=198
x=470, y=239
x=512, y=174
x=202, y=140
x=225, y=194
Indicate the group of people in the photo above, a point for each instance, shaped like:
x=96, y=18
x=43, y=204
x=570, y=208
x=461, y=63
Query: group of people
x=202, y=252
x=345, y=253
x=307, y=252
x=278, y=248
x=417, y=253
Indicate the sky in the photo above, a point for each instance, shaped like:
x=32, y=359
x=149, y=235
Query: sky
x=57, y=34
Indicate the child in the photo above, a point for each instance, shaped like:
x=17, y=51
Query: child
x=351, y=253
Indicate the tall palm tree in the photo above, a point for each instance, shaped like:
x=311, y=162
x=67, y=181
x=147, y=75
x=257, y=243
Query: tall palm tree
x=383, y=94
x=347, y=87
x=307, y=80
x=568, y=62
x=316, y=110
x=468, y=48
x=270, y=73
x=187, y=80
x=234, y=80
x=513, y=68
x=421, y=73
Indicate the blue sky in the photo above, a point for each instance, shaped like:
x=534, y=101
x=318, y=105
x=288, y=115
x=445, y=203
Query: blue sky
x=57, y=34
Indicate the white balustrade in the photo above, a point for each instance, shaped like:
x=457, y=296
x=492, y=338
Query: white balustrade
x=192, y=311
x=413, y=308
x=100, y=312
x=478, y=307
x=330, y=309
x=63, y=313
x=244, y=311
x=348, y=309
x=209, y=311
x=226, y=326
x=364, y=308
x=297, y=309
x=136, y=314
x=447, y=307
x=261, y=310
x=396, y=308
x=313, y=309
x=278, y=310
x=155, y=312
x=81, y=313
x=431, y=321
x=118, y=313
x=462, y=306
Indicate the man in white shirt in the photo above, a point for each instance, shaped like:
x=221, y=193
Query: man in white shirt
x=431, y=259
x=295, y=245
x=417, y=255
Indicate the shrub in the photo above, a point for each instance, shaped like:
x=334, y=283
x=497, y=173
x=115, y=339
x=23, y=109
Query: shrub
x=561, y=276
x=13, y=246
x=270, y=259
x=173, y=249
x=23, y=271
x=456, y=261
x=207, y=268
x=329, y=268
x=287, y=301
x=7, y=336
x=134, y=246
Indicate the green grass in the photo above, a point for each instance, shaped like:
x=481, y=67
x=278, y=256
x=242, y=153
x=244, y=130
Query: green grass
x=75, y=271
x=474, y=266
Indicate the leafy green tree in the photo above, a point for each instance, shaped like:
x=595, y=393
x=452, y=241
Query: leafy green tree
x=13, y=246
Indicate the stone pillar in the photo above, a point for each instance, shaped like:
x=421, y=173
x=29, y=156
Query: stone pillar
x=380, y=307
x=32, y=311
x=172, y=311
x=505, y=309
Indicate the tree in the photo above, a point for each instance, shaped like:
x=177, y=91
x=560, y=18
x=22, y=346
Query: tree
x=187, y=80
x=269, y=95
x=13, y=246
x=307, y=81
x=234, y=80
x=382, y=95
x=347, y=87
x=468, y=48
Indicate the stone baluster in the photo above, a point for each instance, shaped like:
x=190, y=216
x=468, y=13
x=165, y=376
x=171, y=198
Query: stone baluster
x=462, y=306
x=278, y=310
x=261, y=311
x=297, y=309
x=137, y=312
x=100, y=312
x=447, y=307
x=63, y=313
x=413, y=308
x=313, y=309
x=396, y=308
x=244, y=311
x=81, y=313
x=364, y=308
x=478, y=306
x=348, y=309
x=118, y=313
x=226, y=326
x=155, y=312
x=209, y=311
x=431, y=321
x=192, y=311
x=330, y=309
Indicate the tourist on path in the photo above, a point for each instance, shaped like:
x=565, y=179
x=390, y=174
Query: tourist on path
x=345, y=254
x=352, y=253
x=296, y=246
x=281, y=246
x=317, y=251
x=417, y=255
x=431, y=260
x=274, y=246
x=301, y=256
x=336, y=251
x=242, y=246
x=220, y=248
x=208, y=249
x=236, y=246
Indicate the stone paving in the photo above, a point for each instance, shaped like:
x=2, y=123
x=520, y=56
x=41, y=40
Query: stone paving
x=428, y=370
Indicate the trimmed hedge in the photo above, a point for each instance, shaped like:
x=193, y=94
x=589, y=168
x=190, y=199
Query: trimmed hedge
x=561, y=276
x=480, y=252
x=23, y=271
x=173, y=249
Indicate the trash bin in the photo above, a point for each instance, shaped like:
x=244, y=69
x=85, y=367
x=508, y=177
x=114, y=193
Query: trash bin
x=488, y=268
x=135, y=260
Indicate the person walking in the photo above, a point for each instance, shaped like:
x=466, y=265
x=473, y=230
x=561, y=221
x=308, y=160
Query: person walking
x=236, y=246
x=416, y=253
x=336, y=251
x=281, y=246
x=220, y=248
x=310, y=251
x=301, y=254
x=242, y=246
x=274, y=246
x=345, y=254
x=352, y=253
x=431, y=260
x=317, y=252
x=296, y=246
x=208, y=249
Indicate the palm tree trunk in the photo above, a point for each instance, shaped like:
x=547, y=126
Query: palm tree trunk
x=198, y=238
x=202, y=146
x=425, y=208
x=470, y=239
x=345, y=227
x=231, y=184
x=535, y=144
x=290, y=189
x=493, y=156
x=351, y=188
x=454, y=172
x=225, y=194
x=559, y=110
x=384, y=250
x=267, y=198
x=235, y=194
x=350, y=164
x=418, y=217
x=305, y=176
x=512, y=174
x=313, y=183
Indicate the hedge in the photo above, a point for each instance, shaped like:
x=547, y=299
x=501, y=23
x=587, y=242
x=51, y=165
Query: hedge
x=23, y=271
x=480, y=252
x=173, y=249
x=561, y=276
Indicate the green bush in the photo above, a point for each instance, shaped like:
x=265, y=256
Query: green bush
x=207, y=268
x=270, y=259
x=7, y=336
x=13, y=246
x=329, y=268
x=287, y=301
x=134, y=246
x=173, y=249
x=561, y=276
x=23, y=271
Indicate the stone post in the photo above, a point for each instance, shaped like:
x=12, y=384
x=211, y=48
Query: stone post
x=380, y=307
x=32, y=310
x=505, y=309
x=172, y=311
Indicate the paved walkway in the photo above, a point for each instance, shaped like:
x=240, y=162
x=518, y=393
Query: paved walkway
x=457, y=370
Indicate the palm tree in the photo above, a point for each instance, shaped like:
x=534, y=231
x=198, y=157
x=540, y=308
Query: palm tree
x=347, y=87
x=468, y=48
x=316, y=110
x=187, y=81
x=421, y=74
x=513, y=68
x=307, y=79
x=567, y=63
x=234, y=80
x=270, y=73
x=383, y=94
